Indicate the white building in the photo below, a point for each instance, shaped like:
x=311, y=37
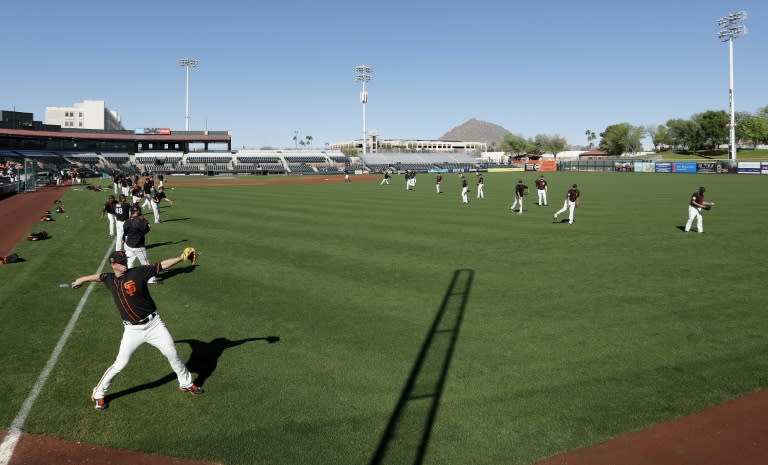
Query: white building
x=90, y=114
x=411, y=145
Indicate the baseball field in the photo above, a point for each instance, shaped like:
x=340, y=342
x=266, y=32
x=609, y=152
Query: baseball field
x=334, y=323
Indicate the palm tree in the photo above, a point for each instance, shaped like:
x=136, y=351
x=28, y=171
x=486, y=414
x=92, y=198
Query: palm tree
x=296, y=138
x=302, y=143
x=590, y=137
x=309, y=141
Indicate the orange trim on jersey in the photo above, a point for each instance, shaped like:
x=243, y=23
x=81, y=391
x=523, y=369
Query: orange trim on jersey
x=124, y=303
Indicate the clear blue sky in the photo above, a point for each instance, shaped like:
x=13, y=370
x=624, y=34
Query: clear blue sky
x=268, y=69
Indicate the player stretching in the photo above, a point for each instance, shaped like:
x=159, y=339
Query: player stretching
x=141, y=322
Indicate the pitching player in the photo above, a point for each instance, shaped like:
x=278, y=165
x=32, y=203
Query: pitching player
x=480, y=182
x=141, y=321
x=694, y=210
x=520, y=191
x=571, y=202
x=122, y=214
x=541, y=189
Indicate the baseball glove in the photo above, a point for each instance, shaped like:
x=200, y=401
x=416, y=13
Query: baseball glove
x=189, y=254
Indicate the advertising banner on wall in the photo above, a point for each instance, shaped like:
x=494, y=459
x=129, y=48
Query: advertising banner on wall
x=644, y=167
x=707, y=167
x=764, y=167
x=663, y=167
x=684, y=167
x=504, y=170
x=541, y=165
x=749, y=167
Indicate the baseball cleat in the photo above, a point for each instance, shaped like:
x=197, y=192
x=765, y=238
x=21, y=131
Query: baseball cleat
x=99, y=404
x=193, y=389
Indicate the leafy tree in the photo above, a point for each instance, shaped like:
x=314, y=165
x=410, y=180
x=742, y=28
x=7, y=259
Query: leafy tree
x=349, y=151
x=513, y=143
x=539, y=144
x=555, y=144
x=713, y=127
x=658, y=135
x=752, y=128
x=620, y=138
x=684, y=134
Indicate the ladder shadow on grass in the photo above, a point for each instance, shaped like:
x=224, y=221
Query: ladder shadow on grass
x=202, y=361
x=407, y=434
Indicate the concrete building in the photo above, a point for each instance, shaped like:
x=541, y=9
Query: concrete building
x=90, y=114
x=411, y=145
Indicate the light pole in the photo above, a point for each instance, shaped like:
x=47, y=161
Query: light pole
x=187, y=63
x=732, y=27
x=363, y=75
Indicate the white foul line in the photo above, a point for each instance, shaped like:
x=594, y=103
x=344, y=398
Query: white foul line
x=14, y=432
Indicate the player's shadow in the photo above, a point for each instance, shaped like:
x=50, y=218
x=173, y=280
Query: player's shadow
x=681, y=228
x=175, y=219
x=160, y=244
x=167, y=274
x=407, y=434
x=202, y=361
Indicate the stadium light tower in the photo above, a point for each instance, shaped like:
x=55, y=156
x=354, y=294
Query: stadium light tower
x=731, y=27
x=187, y=63
x=363, y=75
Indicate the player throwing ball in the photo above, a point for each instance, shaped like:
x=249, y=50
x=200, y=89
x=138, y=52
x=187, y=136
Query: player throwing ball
x=696, y=204
x=141, y=321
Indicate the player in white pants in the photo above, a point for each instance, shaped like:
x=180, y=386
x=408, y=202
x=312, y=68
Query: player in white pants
x=135, y=229
x=571, y=202
x=464, y=190
x=694, y=210
x=541, y=189
x=480, y=182
x=141, y=322
x=438, y=180
x=520, y=190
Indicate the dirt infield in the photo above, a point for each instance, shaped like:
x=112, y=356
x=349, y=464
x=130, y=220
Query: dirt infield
x=19, y=212
x=734, y=432
x=731, y=433
x=43, y=450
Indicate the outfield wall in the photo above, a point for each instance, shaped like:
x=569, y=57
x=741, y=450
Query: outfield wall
x=648, y=166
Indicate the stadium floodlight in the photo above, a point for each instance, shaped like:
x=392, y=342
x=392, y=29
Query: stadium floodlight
x=363, y=74
x=732, y=27
x=187, y=63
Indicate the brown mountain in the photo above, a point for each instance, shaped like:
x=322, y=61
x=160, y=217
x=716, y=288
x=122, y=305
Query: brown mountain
x=475, y=130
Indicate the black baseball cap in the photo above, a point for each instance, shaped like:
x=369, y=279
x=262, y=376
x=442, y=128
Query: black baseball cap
x=118, y=257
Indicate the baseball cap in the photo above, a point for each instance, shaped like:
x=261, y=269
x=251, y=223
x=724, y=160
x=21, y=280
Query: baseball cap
x=118, y=257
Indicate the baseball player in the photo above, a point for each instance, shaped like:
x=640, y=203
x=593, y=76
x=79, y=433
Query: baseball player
x=520, y=190
x=438, y=180
x=694, y=210
x=571, y=202
x=480, y=181
x=156, y=199
x=386, y=178
x=149, y=190
x=135, y=230
x=541, y=189
x=141, y=321
x=464, y=190
x=122, y=213
x=346, y=176
x=109, y=210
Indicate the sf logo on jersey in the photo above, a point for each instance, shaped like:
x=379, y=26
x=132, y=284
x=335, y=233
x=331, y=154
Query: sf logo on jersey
x=130, y=287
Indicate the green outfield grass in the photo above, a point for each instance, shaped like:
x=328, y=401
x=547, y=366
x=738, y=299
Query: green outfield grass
x=571, y=334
